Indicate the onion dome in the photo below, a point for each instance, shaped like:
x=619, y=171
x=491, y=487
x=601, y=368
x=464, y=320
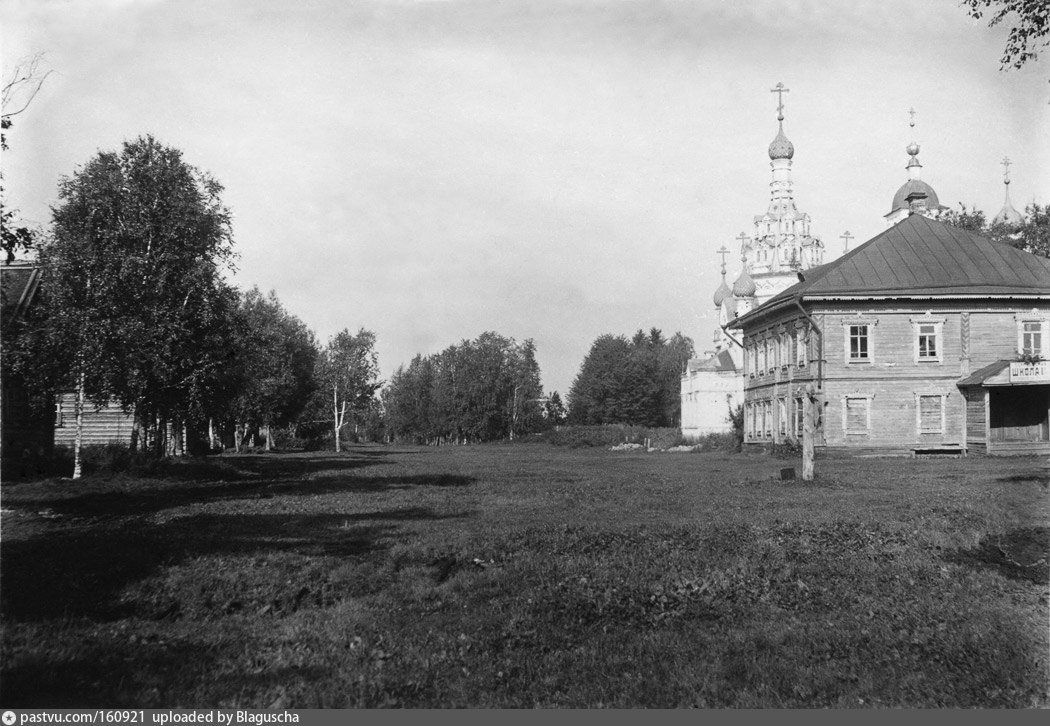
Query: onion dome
x=744, y=285
x=913, y=190
x=914, y=193
x=1008, y=216
x=722, y=292
x=781, y=147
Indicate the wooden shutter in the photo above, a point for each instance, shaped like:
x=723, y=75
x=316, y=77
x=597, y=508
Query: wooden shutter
x=856, y=415
x=930, y=414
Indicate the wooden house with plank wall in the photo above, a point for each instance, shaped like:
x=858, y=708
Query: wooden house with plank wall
x=927, y=338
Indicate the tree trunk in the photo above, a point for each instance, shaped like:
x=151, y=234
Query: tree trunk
x=78, y=409
x=809, y=401
x=266, y=433
x=171, y=430
x=237, y=438
x=136, y=431
x=160, y=433
x=211, y=434
x=337, y=415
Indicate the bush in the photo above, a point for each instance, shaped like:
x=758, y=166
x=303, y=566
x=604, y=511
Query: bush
x=787, y=450
x=112, y=458
x=726, y=441
x=285, y=439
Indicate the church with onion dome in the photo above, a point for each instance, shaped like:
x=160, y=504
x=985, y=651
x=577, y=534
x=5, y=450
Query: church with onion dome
x=931, y=353
x=914, y=196
x=781, y=246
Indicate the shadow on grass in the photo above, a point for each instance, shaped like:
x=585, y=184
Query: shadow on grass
x=128, y=496
x=1020, y=554
x=1041, y=479
x=121, y=673
x=81, y=573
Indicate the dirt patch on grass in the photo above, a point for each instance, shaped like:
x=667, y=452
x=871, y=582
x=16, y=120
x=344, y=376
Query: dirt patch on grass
x=1019, y=554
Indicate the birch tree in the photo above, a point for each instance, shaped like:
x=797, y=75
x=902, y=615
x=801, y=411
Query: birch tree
x=276, y=361
x=347, y=377
x=136, y=307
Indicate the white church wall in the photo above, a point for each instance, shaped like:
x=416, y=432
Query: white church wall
x=707, y=397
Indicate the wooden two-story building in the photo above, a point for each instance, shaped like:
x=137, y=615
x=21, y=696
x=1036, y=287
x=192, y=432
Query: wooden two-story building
x=926, y=338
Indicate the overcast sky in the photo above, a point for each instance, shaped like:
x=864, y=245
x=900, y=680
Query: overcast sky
x=546, y=170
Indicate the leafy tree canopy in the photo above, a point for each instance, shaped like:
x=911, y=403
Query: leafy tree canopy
x=480, y=390
x=631, y=382
x=1032, y=236
x=136, y=307
x=347, y=378
x=1030, y=21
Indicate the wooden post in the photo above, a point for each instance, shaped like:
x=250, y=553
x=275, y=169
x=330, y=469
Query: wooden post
x=808, y=418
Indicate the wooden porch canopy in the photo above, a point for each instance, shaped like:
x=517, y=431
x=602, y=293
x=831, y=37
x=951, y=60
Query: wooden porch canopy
x=1008, y=407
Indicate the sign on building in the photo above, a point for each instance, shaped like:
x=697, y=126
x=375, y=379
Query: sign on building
x=1021, y=372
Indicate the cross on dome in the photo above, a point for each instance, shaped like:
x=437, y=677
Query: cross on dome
x=845, y=237
x=722, y=252
x=781, y=147
x=780, y=91
x=1007, y=216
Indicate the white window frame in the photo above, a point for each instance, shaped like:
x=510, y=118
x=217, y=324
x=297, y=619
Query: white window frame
x=845, y=414
x=919, y=395
x=799, y=420
x=782, y=417
x=801, y=354
x=785, y=350
x=1043, y=320
x=767, y=431
x=938, y=337
x=847, y=339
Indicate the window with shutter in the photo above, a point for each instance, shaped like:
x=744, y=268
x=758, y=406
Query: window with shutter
x=931, y=410
x=857, y=415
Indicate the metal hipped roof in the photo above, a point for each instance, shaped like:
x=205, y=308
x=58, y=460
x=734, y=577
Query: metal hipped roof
x=922, y=257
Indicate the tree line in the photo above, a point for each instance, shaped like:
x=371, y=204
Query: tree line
x=134, y=308
x=636, y=381
x=1031, y=235
x=480, y=390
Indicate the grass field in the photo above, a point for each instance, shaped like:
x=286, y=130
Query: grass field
x=529, y=575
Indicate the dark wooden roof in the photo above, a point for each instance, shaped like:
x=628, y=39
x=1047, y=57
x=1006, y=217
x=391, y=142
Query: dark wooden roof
x=983, y=374
x=18, y=285
x=920, y=257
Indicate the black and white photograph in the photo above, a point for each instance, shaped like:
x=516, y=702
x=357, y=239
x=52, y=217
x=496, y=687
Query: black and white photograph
x=523, y=354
